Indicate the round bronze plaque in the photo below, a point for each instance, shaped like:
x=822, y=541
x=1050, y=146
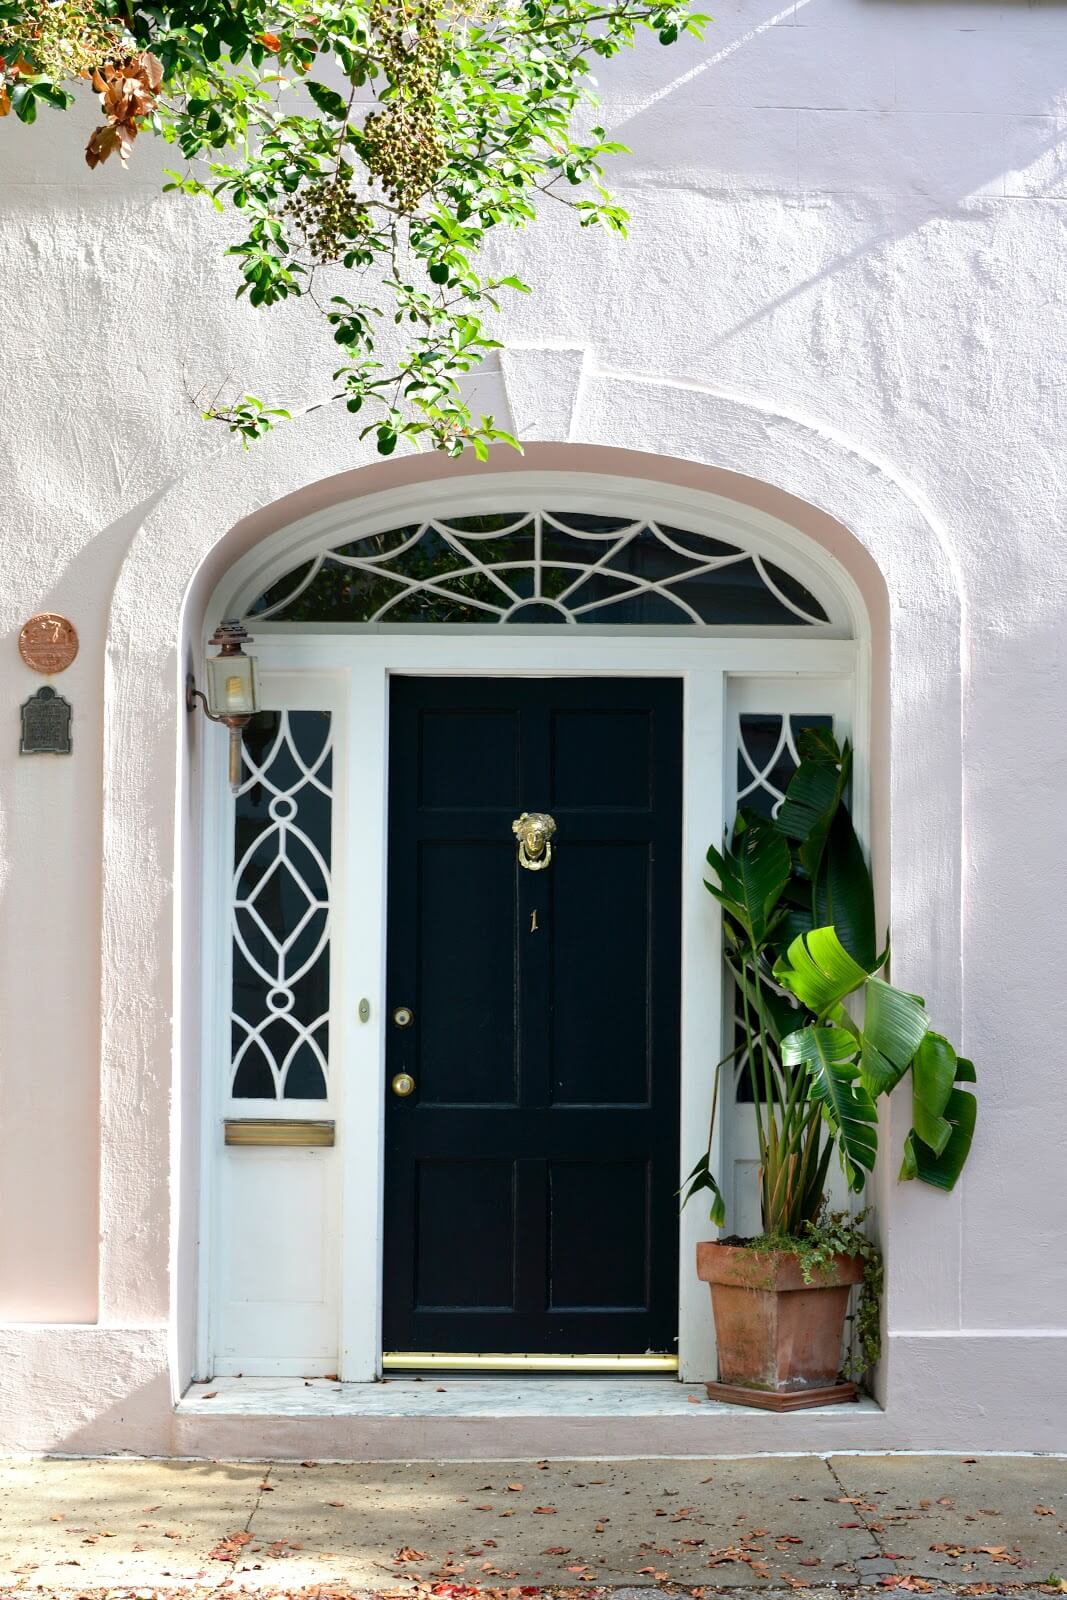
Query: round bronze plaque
x=48, y=643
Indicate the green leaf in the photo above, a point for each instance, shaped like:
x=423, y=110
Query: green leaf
x=843, y=892
x=751, y=879
x=828, y=1054
x=327, y=100
x=811, y=801
x=933, y=1074
x=818, y=744
x=942, y=1171
x=702, y=1180
x=894, y=1027
x=819, y=970
x=24, y=102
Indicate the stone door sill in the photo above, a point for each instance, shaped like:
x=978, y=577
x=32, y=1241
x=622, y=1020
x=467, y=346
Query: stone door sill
x=452, y=1397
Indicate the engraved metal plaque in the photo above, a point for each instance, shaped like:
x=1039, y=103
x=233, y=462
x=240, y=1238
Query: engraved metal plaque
x=48, y=643
x=46, y=718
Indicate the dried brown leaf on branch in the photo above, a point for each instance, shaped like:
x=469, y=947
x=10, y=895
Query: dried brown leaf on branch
x=128, y=93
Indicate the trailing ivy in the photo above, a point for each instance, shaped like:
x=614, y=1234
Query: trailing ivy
x=380, y=139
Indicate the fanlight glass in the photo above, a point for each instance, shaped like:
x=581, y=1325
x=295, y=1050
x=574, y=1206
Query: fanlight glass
x=541, y=567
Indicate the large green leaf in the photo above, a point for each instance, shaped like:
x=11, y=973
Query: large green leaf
x=942, y=1170
x=894, y=1026
x=933, y=1072
x=828, y=1054
x=819, y=970
x=751, y=879
x=812, y=799
x=843, y=894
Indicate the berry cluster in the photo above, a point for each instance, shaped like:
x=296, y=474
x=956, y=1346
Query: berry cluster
x=64, y=40
x=402, y=144
x=329, y=216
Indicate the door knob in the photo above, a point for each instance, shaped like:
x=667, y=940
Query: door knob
x=403, y=1084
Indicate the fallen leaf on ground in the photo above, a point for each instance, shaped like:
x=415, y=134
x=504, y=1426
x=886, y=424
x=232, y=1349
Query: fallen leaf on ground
x=557, y=1550
x=406, y=1553
x=544, y=1511
x=1044, y=1511
x=229, y=1549
x=515, y=1488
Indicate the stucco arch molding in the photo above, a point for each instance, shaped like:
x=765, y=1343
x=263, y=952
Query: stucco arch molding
x=634, y=426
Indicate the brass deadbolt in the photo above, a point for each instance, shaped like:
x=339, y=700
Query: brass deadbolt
x=403, y=1084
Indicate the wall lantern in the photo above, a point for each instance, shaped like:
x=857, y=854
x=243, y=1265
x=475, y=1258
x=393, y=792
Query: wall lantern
x=232, y=688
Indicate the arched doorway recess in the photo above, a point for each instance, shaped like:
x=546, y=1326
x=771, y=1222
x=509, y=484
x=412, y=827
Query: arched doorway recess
x=636, y=655
x=152, y=1056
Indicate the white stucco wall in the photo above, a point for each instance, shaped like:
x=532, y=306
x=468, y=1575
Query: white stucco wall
x=844, y=278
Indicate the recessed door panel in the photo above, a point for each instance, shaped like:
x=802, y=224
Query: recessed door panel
x=468, y=758
x=465, y=1235
x=466, y=973
x=533, y=1088
x=598, y=1235
x=602, y=759
x=600, y=971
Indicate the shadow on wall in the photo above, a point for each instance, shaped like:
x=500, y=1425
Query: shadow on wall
x=941, y=109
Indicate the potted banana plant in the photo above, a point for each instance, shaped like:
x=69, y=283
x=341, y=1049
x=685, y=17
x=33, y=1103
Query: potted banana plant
x=825, y=1037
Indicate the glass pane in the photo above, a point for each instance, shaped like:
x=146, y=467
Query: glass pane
x=767, y=757
x=502, y=559
x=283, y=818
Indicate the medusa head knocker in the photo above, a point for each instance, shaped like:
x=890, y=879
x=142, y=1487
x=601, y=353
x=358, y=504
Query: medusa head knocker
x=534, y=830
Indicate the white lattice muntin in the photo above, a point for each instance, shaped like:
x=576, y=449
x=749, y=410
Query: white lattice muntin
x=280, y=909
x=767, y=756
x=539, y=566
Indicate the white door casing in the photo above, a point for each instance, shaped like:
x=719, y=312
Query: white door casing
x=290, y=1274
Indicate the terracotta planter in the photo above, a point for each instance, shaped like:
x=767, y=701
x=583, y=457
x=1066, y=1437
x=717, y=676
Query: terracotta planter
x=779, y=1338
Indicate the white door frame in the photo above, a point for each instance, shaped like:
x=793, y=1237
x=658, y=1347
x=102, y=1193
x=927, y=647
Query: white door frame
x=353, y=669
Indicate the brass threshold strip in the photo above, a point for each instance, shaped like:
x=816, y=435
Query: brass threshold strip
x=447, y=1361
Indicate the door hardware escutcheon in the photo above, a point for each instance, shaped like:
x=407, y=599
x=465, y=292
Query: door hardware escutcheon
x=403, y=1084
x=534, y=830
x=364, y=1011
x=403, y=1016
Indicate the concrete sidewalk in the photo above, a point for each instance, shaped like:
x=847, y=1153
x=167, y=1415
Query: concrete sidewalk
x=921, y=1523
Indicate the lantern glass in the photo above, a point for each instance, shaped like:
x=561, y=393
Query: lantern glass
x=232, y=689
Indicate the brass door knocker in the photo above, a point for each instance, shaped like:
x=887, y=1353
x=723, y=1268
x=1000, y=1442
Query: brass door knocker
x=534, y=830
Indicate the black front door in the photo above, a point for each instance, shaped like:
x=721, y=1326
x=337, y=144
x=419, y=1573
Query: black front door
x=531, y=1173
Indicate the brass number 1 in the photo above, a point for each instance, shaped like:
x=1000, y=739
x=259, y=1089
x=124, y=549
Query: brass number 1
x=533, y=921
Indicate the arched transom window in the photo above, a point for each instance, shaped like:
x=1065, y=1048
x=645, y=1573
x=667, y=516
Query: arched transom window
x=544, y=566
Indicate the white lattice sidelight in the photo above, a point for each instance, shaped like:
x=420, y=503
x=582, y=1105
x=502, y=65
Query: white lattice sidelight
x=280, y=909
x=540, y=566
x=767, y=756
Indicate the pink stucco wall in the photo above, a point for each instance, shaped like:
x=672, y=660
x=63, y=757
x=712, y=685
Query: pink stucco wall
x=840, y=286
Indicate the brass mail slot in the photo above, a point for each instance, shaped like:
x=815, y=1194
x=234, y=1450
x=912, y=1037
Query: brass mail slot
x=270, y=1131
